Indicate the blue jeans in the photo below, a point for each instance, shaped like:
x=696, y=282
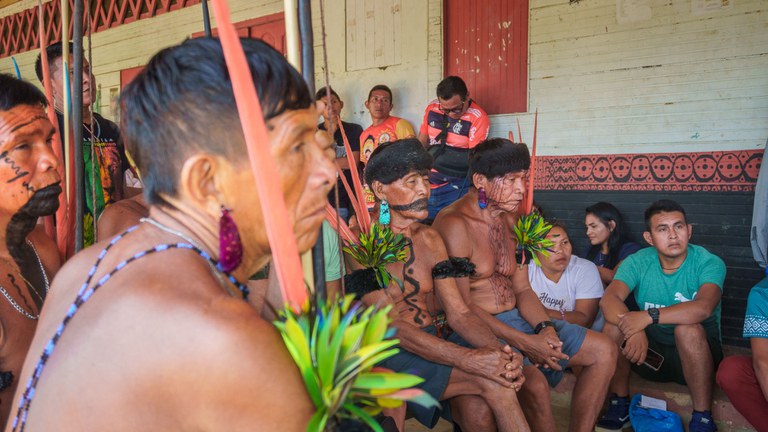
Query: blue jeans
x=443, y=196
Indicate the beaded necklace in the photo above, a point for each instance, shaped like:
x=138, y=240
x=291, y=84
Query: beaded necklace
x=20, y=420
x=10, y=299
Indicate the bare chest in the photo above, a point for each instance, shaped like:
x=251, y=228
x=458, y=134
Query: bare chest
x=414, y=287
x=493, y=251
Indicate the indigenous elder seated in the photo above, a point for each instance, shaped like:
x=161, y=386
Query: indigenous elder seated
x=569, y=287
x=28, y=258
x=678, y=287
x=476, y=228
x=397, y=173
x=167, y=343
x=743, y=378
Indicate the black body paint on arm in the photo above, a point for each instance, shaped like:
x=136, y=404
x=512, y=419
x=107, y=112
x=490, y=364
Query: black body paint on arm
x=408, y=299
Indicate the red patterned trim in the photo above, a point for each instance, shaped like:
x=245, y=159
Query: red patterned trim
x=673, y=172
x=18, y=32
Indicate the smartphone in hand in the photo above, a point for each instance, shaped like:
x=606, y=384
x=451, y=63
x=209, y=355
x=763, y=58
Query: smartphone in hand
x=653, y=360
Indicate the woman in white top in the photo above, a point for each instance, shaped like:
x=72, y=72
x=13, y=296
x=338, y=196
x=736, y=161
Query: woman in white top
x=569, y=287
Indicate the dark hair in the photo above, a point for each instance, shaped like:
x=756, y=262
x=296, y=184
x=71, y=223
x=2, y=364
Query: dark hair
x=662, y=206
x=323, y=92
x=380, y=87
x=53, y=52
x=606, y=212
x=183, y=103
x=394, y=160
x=451, y=87
x=557, y=223
x=18, y=92
x=497, y=157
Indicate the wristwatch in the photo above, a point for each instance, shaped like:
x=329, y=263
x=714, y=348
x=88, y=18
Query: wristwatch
x=542, y=325
x=654, y=313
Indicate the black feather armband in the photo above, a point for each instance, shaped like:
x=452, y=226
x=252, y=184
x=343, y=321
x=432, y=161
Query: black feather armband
x=453, y=268
x=361, y=282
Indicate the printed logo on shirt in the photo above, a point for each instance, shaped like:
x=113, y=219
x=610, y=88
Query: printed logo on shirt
x=679, y=297
x=383, y=138
x=457, y=127
x=551, y=302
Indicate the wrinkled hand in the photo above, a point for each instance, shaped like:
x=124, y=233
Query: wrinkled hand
x=545, y=349
x=495, y=364
x=514, y=368
x=635, y=348
x=633, y=322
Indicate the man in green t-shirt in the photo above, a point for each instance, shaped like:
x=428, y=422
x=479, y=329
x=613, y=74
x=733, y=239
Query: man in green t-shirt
x=678, y=287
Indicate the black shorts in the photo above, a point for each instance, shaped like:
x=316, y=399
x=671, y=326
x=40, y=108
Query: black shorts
x=661, y=338
x=435, y=377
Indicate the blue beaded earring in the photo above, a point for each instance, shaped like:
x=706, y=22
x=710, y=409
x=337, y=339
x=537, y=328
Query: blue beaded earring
x=482, y=201
x=384, y=212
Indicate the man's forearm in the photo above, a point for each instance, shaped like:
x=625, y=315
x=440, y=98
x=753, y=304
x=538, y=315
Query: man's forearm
x=474, y=330
x=427, y=346
x=530, y=307
x=612, y=306
x=502, y=331
x=692, y=312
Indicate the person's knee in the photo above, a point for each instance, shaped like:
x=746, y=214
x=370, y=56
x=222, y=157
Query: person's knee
x=689, y=334
x=613, y=333
x=604, y=350
x=597, y=350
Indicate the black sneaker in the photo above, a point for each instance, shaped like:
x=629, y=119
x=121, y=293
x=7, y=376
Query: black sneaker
x=617, y=416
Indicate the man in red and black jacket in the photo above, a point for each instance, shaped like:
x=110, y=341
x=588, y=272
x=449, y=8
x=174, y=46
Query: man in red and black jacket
x=453, y=124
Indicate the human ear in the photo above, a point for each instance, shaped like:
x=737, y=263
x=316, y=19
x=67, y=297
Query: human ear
x=201, y=181
x=479, y=180
x=378, y=190
x=611, y=225
x=648, y=238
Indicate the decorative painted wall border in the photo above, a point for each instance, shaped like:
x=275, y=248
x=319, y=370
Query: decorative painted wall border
x=672, y=172
x=18, y=32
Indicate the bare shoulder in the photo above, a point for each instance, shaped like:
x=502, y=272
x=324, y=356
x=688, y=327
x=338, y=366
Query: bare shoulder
x=46, y=249
x=429, y=236
x=246, y=360
x=121, y=215
x=450, y=221
x=453, y=225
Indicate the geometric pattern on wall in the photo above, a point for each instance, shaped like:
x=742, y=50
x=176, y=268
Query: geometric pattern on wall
x=18, y=32
x=673, y=172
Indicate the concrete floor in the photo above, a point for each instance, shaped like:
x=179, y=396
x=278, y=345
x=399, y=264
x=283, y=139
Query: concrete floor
x=560, y=407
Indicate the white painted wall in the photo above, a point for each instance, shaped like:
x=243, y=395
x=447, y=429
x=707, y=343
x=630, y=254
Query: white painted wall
x=676, y=82
x=413, y=81
x=133, y=44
